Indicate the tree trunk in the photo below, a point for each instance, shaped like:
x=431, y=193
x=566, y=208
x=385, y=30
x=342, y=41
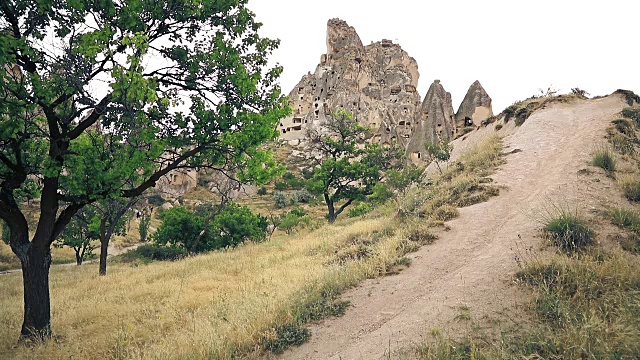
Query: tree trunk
x=104, y=247
x=37, y=308
x=78, y=256
x=331, y=208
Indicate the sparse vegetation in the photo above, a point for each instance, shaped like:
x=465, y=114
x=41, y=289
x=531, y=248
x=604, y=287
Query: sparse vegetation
x=439, y=152
x=522, y=115
x=604, y=158
x=628, y=219
x=590, y=304
x=461, y=184
x=632, y=113
x=629, y=96
x=630, y=184
x=568, y=230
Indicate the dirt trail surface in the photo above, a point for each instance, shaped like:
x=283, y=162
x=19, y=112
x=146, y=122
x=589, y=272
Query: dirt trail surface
x=472, y=264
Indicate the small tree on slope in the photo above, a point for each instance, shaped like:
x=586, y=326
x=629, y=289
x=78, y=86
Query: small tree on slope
x=346, y=169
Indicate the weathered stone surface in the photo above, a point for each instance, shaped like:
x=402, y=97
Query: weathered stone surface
x=376, y=83
x=434, y=121
x=475, y=107
x=177, y=182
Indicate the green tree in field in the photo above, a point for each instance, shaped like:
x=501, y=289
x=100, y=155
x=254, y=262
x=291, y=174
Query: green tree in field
x=143, y=227
x=100, y=99
x=81, y=234
x=346, y=168
x=211, y=229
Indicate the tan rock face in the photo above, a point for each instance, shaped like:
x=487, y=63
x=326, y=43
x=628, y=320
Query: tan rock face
x=475, y=107
x=177, y=182
x=434, y=121
x=377, y=84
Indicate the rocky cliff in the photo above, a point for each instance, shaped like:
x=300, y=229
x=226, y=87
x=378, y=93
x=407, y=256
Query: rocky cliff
x=377, y=83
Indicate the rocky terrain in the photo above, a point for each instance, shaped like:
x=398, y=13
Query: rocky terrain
x=378, y=84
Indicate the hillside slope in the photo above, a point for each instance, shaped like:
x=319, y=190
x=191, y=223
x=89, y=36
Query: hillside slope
x=472, y=265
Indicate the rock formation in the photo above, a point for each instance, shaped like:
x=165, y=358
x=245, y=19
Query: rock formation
x=475, y=107
x=377, y=84
x=177, y=182
x=434, y=121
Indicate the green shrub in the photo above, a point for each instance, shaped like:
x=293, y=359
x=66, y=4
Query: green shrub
x=280, y=199
x=522, y=115
x=360, y=209
x=156, y=200
x=229, y=227
x=632, y=113
x=604, y=158
x=631, y=187
x=156, y=252
x=625, y=218
x=180, y=228
x=289, y=221
x=290, y=181
x=568, y=231
x=262, y=191
x=286, y=336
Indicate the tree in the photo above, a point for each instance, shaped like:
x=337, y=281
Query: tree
x=440, y=151
x=346, y=169
x=210, y=229
x=111, y=215
x=81, y=234
x=145, y=223
x=118, y=95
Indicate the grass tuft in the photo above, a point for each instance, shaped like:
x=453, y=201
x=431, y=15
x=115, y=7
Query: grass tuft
x=285, y=336
x=604, y=158
x=630, y=185
x=568, y=231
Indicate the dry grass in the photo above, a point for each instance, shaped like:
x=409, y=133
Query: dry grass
x=210, y=306
x=8, y=261
x=462, y=184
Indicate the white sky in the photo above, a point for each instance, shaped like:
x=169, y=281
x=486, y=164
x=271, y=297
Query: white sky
x=513, y=47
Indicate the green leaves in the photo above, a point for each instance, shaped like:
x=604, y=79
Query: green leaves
x=348, y=168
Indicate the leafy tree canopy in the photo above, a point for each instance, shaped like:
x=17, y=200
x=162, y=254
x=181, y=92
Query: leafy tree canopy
x=100, y=99
x=347, y=168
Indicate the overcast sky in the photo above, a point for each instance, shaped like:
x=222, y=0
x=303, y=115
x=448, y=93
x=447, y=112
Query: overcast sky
x=513, y=47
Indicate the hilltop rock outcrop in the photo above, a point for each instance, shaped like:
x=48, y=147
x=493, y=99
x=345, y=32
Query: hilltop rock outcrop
x=377, y=84
x=476, y=106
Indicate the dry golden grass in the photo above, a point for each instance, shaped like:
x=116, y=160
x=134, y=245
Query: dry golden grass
x=209, y=306
x=8, y=261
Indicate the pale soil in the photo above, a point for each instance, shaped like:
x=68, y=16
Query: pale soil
x=473, y=264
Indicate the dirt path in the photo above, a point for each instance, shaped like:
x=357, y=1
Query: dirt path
x=471, y=265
